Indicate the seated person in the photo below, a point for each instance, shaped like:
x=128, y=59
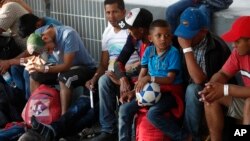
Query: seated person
x=28, y=23
x=72, y=59
x=167, y=72
x=219, y=94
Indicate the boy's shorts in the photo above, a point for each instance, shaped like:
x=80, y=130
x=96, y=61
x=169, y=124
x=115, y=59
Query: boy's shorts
x=235, y=110
x=76, y=76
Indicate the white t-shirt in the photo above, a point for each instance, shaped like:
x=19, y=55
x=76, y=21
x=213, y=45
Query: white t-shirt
x=9, y=16
x=114, y=43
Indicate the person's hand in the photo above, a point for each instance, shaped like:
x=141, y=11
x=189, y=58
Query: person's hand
x=184, y=43
x=113, y=77
x=90, y=84
x=141, y=83
x=124, y=86
x=127, y=97
x=4, y=66
x=212, y=91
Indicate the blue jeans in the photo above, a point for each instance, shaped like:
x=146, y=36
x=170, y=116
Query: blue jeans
x=78, y=116
x=26, y=76
x=155, y=115
x=17, y=75
x=194, y=111
x=174, y=11
x=108, y=104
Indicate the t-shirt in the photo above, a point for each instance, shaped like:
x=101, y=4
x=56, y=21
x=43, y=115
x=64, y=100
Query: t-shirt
x=68, y=41
x=114, y=43
x=9, y=15
x=161, y=65
x=237, y=63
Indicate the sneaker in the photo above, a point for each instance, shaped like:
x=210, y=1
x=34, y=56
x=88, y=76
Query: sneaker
x=105, y=137
x=46, y=131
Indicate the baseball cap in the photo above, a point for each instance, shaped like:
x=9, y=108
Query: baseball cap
x=137, y=17
x=35, y=43
x=191, y=21
x=240, y=28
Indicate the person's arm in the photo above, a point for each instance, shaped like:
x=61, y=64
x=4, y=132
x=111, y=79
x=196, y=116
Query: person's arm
x=194, y=70
x=24, y=5
x=103, y=66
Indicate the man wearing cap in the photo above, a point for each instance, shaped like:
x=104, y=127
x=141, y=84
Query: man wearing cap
x=113, y=41
x=201, y=50
x=218, y=93
x=72, y=61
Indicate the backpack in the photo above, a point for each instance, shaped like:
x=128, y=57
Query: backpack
x=44, y=104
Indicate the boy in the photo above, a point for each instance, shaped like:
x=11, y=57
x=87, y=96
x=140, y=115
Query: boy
x=160, y=64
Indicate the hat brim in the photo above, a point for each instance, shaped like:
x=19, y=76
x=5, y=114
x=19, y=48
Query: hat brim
x=230, y=36
x=123, y=25
x=182, y=31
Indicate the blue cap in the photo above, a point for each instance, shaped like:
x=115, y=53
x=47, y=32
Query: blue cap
x=191, y=21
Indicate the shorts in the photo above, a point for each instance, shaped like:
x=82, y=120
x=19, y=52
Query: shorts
x=76, y=76
x=235, y=110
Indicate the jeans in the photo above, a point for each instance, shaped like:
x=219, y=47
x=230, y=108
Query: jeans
x=194, y=111
x=108, y=104
x=17, y=76
x=174, y=11
x=78, y=116
x=155, y=115
x=26, y=76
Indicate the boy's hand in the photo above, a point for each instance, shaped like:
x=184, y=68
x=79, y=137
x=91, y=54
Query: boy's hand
x=141, y=83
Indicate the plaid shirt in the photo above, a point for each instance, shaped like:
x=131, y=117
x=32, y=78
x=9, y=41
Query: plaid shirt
x=199, y=53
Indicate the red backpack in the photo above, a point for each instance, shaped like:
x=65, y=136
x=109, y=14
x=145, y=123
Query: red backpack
x=44, y=104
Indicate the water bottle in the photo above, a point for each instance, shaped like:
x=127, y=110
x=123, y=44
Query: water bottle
x=8, y=79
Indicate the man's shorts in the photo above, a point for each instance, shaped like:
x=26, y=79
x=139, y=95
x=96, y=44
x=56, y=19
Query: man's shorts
x=76, y=76
x=236, y=108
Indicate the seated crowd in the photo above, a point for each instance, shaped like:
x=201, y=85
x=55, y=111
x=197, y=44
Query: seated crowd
x=183, y=58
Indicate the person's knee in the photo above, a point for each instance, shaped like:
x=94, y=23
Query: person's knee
x=103, y=81
x=151, y=115
x=192, y=93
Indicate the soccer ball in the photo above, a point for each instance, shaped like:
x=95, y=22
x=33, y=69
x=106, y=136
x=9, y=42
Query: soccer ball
x=149, y=95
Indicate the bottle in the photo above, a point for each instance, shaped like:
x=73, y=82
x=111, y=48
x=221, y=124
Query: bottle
x=8, y=79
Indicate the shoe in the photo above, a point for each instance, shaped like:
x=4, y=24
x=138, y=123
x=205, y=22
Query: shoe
x=105, y=137
x=46, y=131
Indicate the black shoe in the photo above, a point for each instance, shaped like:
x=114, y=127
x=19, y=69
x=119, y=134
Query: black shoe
x=46, y=131
x=105, y=137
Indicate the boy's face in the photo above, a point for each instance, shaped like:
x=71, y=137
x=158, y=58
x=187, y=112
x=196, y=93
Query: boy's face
x=161, y=37
x=243, y=46
x=114, y=14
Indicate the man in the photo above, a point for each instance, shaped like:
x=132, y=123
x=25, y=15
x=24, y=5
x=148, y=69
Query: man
x=201, y=51
x=220, y=94
x=73, y=63
x=112, y=44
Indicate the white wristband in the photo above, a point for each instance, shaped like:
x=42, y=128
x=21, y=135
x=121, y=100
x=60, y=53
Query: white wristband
x=46, y=69
x=152, y=79
x=226, y=90
x=186, y=50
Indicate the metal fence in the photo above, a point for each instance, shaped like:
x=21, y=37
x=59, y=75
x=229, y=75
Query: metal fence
x=86, y=16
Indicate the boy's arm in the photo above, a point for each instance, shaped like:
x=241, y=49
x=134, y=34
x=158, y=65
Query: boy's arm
x=169, y=79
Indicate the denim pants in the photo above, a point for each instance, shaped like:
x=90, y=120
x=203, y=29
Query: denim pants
x=194, y=111
x=155, y=115
x=108, y=92
x=17, y=72
x=174, y=11
x=78, y=117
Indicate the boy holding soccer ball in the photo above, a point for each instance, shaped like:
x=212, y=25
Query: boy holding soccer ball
x=160, y=64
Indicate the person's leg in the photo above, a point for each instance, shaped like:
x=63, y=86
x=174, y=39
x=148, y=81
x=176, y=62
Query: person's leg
x=174, y=11
x=215, y=117
x=17, y=75
x=193, y=111
x=126, y=118
x=33, y=85
x=168, y=125
x=107, y=98
x=246, y=112
x=208, y=13
x=76, y=76
x=26, y=77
